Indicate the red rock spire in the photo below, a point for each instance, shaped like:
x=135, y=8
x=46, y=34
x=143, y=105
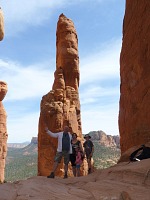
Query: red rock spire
x=61, y=106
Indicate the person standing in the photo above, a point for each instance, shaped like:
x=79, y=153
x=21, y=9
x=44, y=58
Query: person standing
x=89, y=150
x=64, y=149
x=75, y=143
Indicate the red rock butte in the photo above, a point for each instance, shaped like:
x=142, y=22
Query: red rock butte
x=134, y=114
x=61, y=106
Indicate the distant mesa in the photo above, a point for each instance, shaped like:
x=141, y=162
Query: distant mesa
x=104, y=139
x=34, y=140
x=18, y=145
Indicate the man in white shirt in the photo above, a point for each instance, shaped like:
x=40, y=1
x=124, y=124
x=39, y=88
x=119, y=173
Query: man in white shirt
x=64, y=149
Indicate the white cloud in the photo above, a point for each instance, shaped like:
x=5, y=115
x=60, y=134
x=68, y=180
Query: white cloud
x=92, y=95
x=23, y=128
x=103, y=118
x=103, y=64
x=20, y=14
x=26, y=81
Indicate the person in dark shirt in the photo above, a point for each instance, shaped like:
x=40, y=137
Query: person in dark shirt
x=75, y=143
x=88, y=150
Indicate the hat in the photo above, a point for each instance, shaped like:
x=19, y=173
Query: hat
x=87, y=135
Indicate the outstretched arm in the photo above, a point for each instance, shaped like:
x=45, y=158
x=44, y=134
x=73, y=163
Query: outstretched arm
x=54, y=135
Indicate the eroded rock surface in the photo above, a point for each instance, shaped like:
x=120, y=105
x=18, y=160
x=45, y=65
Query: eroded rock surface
x=124, y=181
x=134, y=114
x=61, y=106
x=3, y=130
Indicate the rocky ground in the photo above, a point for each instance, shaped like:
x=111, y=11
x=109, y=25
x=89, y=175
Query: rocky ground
x=124, y=181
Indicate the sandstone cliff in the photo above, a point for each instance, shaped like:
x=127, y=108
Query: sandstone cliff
x=1, y=25
x=61, y=106
x=134, y=114
x=3, y=131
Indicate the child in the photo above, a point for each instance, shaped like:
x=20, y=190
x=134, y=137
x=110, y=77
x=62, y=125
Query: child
x=78, y=161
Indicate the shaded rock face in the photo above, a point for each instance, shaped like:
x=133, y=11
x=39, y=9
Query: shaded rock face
x=1, y=25
x=3, y=130
x=134, y=114
x=61, y=106
x=104, y=139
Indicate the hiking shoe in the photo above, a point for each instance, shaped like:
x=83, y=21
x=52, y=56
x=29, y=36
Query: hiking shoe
x=65, y=176
x=52, y=175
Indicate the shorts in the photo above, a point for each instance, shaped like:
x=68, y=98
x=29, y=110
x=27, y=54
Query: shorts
x=59, y=156
x=73, y=160
x=78, y=166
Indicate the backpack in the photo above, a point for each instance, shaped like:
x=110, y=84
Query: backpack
x=144, y=154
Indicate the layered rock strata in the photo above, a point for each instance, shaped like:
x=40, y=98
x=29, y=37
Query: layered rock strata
x=1, y=25
x=3, y=130
x=134, y=114
x=61, y=106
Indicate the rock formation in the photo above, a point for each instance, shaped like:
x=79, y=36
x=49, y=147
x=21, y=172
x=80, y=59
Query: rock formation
x=3, y=130
x=134, y=114
x=1, y=25
x=104, y=139
x=61, y=106
x=124, y=181
x=34, y=140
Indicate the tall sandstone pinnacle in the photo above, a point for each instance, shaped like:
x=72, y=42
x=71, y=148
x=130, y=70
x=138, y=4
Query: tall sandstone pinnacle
x=3, y=131
x=1, y=25
x=134, y=114
x=61, y=106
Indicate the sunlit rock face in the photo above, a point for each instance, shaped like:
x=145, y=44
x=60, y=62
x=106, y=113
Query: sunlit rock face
x=3, y=131
x=61, y=106
x=134, y=114
x=1, y=25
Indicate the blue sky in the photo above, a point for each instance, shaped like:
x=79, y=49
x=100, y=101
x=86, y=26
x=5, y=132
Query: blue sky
x=28, y=61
